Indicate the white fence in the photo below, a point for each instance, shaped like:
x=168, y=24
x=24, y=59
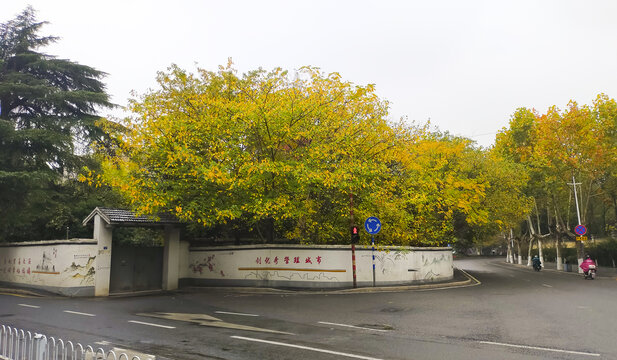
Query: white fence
x=16, y=344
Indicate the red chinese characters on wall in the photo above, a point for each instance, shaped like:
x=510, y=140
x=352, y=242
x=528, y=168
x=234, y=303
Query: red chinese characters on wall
x=15, y=266
x=317, y=260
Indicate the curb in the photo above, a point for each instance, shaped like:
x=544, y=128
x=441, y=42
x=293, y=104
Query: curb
x=470, y=281
x=20, y=292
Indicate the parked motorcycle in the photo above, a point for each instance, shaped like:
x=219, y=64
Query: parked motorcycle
x=591, y=273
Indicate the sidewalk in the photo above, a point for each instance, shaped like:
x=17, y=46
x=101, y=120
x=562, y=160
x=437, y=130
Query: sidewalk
x=602, y=271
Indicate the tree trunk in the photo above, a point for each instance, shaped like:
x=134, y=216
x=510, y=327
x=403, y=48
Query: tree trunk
x=520, y=257
x=529, y=251
x=614, y=197
x=516, y=258
x=558, y=252
x=540, y=252
x=558, y=229
x=509, y=253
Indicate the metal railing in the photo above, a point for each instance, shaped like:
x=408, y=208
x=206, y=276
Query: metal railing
x=16, y=344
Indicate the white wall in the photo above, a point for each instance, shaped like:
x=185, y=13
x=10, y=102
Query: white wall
x=315, y=266
x=68, y=266
x=63, y=266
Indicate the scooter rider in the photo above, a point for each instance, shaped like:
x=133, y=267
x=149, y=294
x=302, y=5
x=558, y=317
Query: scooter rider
x=585, y=264
x=536, y=262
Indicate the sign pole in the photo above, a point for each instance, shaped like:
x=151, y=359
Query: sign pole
x=580, y=247
x=353, y=246
x=372, y=226
x=373, y=252
x=353, y=264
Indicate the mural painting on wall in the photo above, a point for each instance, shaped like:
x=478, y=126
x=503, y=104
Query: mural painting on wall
x=389, y=259
x=45, y=268
x=430, y=263
x=83, y=273
x=46, y=265
x=206, y=263
x=286, y=267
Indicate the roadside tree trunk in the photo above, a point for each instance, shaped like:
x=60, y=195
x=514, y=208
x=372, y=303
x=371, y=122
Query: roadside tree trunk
x=540, y=252
x=558, y=252
x=529, y=251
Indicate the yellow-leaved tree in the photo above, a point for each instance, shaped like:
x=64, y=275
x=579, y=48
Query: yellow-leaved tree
x=278, y=156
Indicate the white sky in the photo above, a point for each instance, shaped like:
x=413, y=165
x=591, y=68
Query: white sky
x=466, y=65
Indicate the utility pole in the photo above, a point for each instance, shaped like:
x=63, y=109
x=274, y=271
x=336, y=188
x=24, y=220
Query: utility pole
x=580, y=247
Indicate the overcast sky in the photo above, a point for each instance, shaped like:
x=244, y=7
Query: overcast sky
x=465, y=65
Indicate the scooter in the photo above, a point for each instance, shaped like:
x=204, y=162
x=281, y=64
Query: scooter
x=591, y=273
x=537, y=266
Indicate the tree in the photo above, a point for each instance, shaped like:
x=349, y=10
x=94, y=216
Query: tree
x=556, y=147
x=47, y=110
x=279, y=156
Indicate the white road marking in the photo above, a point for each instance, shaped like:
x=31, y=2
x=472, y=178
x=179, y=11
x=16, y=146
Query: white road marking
x=547, y=285
x=306, y=348
x=30, y=306
x=132, y=354
x=539, y=348
x=78, y=313
x=350, y=326
x=233, y=313
x=104, y=343
x=151, y=324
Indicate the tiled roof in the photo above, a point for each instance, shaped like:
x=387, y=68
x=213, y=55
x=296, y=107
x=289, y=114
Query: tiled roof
x=128, y=218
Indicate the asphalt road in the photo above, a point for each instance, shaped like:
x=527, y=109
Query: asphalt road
x=514, y=313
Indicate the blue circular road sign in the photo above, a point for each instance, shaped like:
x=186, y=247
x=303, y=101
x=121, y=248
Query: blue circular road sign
x=580, y=230
x=372, y=225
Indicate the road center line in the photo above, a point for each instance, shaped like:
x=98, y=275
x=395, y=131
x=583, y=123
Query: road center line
x=30, y=306
x=306, y=348
x=350, y=326
x=78, y=313
x=233, y=313
x=151, y=324
x=539, y=348
x=547, y=285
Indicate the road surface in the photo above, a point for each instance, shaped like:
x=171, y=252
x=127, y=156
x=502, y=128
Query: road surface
x=514, y=313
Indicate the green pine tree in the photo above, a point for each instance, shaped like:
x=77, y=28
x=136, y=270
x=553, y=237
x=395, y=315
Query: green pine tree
x=48, y=110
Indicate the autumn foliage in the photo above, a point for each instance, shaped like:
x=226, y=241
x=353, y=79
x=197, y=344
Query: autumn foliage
x=288, y=156
x=556, y=148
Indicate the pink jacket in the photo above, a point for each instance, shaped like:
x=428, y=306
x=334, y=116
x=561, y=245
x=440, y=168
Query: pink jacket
x=585, y=264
